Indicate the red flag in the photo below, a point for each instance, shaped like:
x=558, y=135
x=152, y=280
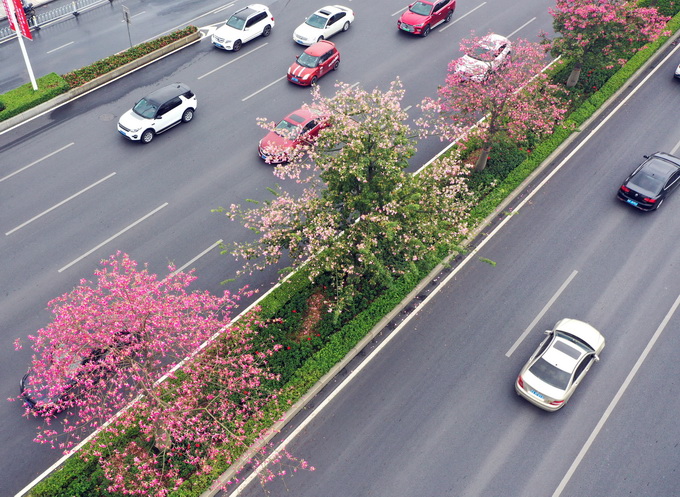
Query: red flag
x=18, y=9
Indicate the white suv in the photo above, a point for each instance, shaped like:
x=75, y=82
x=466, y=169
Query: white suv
x=244, y=25
x=157, y=112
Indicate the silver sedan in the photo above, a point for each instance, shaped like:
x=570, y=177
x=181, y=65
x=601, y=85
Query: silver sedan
x=559, y=364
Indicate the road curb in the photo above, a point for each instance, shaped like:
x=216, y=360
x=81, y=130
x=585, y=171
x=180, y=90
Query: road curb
x=99, y=81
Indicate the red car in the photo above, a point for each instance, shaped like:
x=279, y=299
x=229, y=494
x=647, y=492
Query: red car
x=424, y=15
x=314, y=62
x=297, y=128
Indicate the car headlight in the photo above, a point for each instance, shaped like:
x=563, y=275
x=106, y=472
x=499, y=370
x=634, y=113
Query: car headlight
x=306, y=76
x=419, y=25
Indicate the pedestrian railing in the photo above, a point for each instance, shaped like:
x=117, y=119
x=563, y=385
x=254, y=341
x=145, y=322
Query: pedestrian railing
x=62, y=13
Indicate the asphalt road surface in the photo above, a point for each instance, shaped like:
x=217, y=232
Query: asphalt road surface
x=73, y=192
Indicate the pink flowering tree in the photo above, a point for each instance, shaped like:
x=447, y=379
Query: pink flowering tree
x=600, y=33
x=516, y=99
x=112, y=339
x=362, y=218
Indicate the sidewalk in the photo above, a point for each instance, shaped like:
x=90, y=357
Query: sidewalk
x=36, y=3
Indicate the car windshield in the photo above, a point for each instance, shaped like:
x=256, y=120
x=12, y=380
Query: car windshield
x=236, y=22
x=647, y=183
x=317, y=21
x=306, y=60
x=481, y=52
x=550, y=374
x=145, y=108
x=287, y=130
x=420, y=8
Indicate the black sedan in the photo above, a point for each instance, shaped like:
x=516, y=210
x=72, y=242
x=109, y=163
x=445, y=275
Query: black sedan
x=652, y=181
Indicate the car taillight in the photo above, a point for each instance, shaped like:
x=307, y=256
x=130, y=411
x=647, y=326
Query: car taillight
x=650, y=200
x=520, y=382
x=625, y=188
x=556, y=402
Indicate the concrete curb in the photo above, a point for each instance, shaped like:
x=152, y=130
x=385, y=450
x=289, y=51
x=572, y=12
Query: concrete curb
x=99, y=81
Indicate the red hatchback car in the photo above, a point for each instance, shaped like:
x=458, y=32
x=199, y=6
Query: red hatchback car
x=424, y=15
x=314, y=62
x=297, y=128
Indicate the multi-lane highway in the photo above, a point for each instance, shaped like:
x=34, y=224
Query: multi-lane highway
x=434, y=413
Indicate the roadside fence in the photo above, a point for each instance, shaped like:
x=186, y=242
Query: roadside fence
x=52, y=16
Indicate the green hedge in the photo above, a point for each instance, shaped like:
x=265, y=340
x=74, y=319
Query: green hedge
x=83, y=75
x=19, y=100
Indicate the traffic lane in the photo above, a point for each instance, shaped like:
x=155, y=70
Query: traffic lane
x=636, y=451
x=99, y=33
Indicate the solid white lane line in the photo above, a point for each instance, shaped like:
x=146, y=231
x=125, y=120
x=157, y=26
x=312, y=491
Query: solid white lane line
x=540, y=314
x=521, y=27
x=461, y=17
x=60, y=204
x=615, y=400
x=232, y=60
x=112, y=238
x=59, y=48
x=180, y=269
x=262, y=89
x=36, y=162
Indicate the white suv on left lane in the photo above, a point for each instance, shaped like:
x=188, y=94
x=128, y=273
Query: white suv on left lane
x=244, y=25
x=158, y=112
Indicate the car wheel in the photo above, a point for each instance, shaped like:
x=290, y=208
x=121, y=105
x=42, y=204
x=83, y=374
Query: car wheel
x=188, y=115
x=237, y=45
x=426, y=31
x=314, y=80
x=346, y=26
x=320, y=38
x=147, y=136
x=449, y=16
x=335, y=66
x=658, y=205
x=267, y=31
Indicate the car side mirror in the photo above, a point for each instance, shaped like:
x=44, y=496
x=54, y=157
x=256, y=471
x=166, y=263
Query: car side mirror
x=297, y=57
x=646, y=156
x=596, y=357
x=547, y=332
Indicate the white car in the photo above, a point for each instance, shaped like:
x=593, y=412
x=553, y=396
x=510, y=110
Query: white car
x=158, y=112
x=323, y=24
x=559, y=364
x=491, y=52
x=244, y=25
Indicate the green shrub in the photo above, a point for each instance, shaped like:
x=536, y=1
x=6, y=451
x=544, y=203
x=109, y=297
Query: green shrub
x=19, y=100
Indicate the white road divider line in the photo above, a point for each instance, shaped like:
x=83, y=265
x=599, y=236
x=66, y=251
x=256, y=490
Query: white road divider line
x=615, y=400
x=521, y=27
x=36, y=162
x=60, y=203
x=462, y=17
x=232, y=60
x=180, y=269
x=62, y=46
x=540, y=314
x=262, y=89
x=113, y=237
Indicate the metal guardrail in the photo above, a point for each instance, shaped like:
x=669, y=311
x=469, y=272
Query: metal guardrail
x=43, y=19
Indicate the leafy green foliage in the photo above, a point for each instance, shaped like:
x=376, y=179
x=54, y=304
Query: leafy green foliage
x=19, y=100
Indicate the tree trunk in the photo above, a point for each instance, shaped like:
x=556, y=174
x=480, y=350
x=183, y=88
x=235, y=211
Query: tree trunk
x=574, y=76
x=483, y=158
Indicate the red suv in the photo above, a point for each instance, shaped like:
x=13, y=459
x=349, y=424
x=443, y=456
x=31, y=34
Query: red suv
x=314, y=62
x=424, y=15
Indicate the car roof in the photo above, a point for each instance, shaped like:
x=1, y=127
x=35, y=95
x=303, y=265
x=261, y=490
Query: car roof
x=661, y=165
x=164, y=94
x=249, y=10
x=300, y=116
x=320, y=48
x=564, y=354
x=329, y=10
